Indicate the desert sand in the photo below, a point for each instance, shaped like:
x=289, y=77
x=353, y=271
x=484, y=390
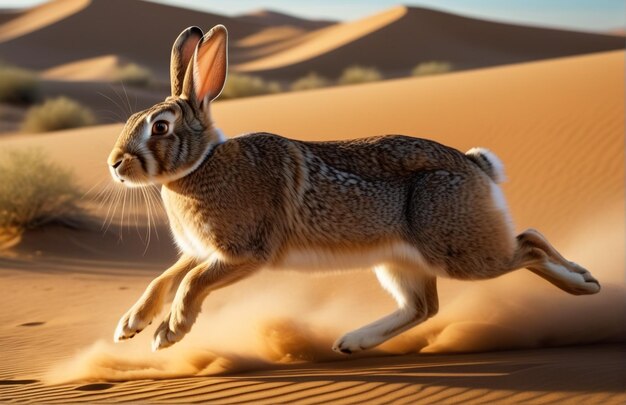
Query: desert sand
x=396, y=40
x=84, y=21
x=557, y=124
x=278, y=46
x=40, y=17
x=275, y=18
x=101, y=68
x=265, y=43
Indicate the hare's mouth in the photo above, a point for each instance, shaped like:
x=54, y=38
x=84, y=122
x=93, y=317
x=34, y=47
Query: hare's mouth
x=130, y=173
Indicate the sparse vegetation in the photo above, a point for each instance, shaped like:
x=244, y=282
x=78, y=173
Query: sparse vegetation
x=240, y=85
x=310, y=81
x=359, y=74
x=18, y=86
x=35, y=192
x=134, y=75
x=56, y=114
x=431, y=68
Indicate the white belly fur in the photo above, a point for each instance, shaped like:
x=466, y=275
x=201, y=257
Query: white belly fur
x=324, y=260
x=191, y=244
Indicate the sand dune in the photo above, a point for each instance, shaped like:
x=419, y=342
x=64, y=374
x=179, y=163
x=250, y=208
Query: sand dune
x=398, y=39
x=323, y=41
x=278, y=19
x=266, y=42
x=277, y=46
x=125, y=32
x=10, y=14
x=255, y=52
x=560, y=135
x=101, y=68
x=40, y=17
x=269, y=36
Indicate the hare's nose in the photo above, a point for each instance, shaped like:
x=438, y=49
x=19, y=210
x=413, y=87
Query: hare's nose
x=116, y=158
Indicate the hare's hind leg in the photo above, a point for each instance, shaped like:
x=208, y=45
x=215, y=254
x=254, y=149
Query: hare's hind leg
x=194, y=288
x=416, y=295
x=535, y=253
x=151, y=301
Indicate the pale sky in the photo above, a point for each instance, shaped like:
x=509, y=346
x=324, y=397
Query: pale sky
x=585, y=15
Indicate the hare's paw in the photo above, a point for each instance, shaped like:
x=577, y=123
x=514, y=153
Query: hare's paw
x=588, y=284
x=133, y=322
x=356, y=341
x=169, y=332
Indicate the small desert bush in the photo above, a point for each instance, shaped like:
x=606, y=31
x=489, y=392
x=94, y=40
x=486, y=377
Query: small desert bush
x=56, y=114
x=18, y=86
x=359, y=74
x=134, y=75
x=240, y=85
x=310, y=81
x=431, y=68
x=35, y=192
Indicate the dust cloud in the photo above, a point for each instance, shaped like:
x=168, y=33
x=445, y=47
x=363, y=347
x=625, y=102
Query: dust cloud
x=285, y=317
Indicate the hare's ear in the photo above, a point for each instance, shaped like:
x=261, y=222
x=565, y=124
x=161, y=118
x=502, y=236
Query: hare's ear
x=206, y=75
x=182, y=51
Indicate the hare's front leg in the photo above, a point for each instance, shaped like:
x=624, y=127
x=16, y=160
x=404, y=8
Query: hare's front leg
x=416, y=295
x=194, y=288
x=149, y=305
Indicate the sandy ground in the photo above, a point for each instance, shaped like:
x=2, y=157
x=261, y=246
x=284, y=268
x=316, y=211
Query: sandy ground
x=558, y=125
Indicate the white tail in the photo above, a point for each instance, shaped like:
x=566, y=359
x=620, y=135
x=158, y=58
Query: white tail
x=488, y=162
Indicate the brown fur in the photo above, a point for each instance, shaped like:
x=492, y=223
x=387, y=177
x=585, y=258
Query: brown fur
x=258, y=200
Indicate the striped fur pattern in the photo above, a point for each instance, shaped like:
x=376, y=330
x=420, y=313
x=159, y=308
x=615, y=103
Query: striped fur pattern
x=410, y=209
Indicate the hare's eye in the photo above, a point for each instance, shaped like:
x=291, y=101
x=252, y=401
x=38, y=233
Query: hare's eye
x=160, y=128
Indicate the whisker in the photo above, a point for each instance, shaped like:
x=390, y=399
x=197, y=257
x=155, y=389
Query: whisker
x=135, y=103
x=148, y=232
x=134, y=203
x=111, y=211
x=130, y=109
x=151, y=213
x=123, y=210
x=110, y=115
x=158, y=202
x=114, y=102
x=120, y=98
x=115, y=205
x=91, y=189
x=105, y=194
x=156, y=192
x=108, y=200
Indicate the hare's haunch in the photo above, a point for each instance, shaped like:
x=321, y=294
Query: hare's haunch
x=411, y=209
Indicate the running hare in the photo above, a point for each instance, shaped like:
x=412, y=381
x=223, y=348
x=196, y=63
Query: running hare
x=411, y=209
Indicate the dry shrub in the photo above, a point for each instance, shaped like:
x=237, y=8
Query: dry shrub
x=35, y=192
x=56, y=114
x=134, y=75
x=359, y=74
x=431, y=68
x=18, y=86
x=309, y=82
x=240, y=85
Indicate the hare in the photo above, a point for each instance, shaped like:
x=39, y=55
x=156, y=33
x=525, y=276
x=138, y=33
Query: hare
x=410, y=209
